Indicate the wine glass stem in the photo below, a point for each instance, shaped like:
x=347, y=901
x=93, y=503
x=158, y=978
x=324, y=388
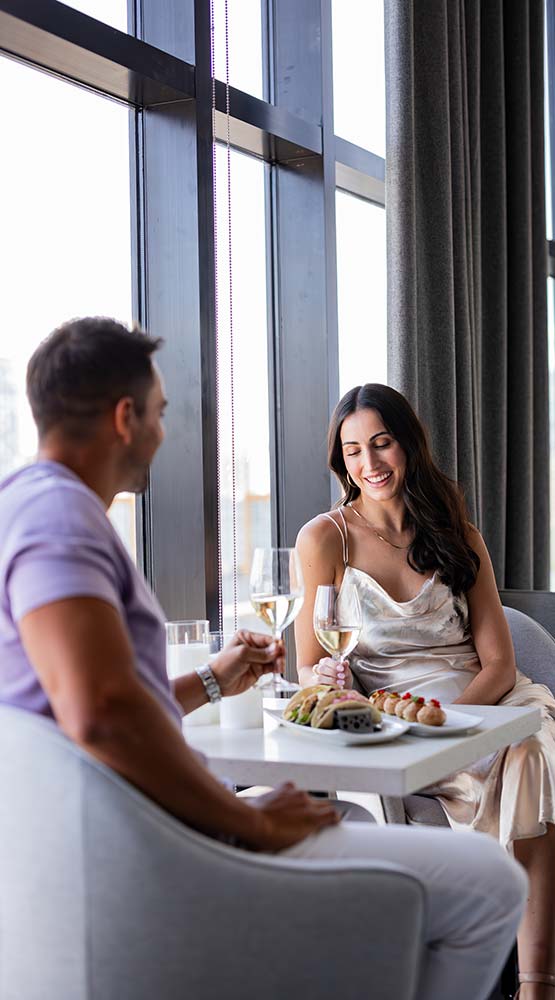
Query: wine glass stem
x=277, y=680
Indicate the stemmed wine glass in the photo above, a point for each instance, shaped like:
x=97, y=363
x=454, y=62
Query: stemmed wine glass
x=277, y=593
x=337, y=619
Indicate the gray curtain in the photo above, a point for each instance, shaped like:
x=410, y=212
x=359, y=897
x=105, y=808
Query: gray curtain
x=467, y=258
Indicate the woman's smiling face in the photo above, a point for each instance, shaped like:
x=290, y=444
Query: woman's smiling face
x=373, y=458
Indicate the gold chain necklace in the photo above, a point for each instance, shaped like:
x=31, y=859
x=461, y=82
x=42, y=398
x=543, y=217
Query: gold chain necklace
x=375, y=530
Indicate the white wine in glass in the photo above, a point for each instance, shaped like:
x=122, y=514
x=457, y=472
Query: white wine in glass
x=277, y=593
x=337, y=619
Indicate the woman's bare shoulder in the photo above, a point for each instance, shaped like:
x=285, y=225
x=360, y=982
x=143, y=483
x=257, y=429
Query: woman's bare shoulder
x=474, y=538
x=320, y=531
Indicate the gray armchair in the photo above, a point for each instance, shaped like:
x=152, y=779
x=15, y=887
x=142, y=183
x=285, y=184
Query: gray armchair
x=104, y=896
x=531, y=618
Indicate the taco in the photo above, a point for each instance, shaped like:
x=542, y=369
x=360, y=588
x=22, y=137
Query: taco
x=323, y=715
x=303, y=703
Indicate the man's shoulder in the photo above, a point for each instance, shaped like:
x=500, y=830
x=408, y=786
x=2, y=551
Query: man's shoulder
x=48, y=497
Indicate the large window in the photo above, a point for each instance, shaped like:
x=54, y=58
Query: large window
x=245, y=520
x=112, y=12
x=65, y=239
x=68, y=209
x=361, y=292
x=359, y=72
x=240, y=46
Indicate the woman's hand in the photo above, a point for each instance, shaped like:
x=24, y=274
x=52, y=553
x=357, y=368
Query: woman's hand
x=328, y=671
x=245, y=659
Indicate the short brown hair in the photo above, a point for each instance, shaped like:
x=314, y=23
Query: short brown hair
x=83, y=368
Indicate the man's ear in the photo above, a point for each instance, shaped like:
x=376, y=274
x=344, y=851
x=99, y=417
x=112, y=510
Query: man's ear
x=124, y=415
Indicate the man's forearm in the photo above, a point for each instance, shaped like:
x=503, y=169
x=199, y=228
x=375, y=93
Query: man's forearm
x=190, y=692
x=135, y=738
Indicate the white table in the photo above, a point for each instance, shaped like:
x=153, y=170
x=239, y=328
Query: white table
x=273, y=754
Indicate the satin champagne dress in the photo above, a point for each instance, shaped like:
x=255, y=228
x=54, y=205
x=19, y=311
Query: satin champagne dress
x=425, y=646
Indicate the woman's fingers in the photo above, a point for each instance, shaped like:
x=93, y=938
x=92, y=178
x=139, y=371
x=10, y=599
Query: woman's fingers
x=328, y=671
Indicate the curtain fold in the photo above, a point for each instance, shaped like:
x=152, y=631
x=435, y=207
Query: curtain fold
x=467, y=265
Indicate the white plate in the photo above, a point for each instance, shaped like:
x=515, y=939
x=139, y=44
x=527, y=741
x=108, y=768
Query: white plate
x=456, y=724
x=391, y=729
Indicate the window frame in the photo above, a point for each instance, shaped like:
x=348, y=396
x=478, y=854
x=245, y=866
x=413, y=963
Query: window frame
x=161, y=71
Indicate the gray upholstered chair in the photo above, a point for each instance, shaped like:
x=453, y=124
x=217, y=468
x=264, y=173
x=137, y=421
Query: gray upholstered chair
x=531, y=618
x=104, y=896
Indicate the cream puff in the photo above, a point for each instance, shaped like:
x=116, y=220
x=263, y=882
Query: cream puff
x=377, y=699
x=404, y=700
x=412, y=708
x=390, y=702
x=431, y=714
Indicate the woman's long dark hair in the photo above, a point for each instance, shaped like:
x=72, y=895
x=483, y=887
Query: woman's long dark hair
x=435, y=505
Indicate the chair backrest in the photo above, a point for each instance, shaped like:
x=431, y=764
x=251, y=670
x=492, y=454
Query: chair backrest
x=103, y=896
x=538, y=604
x=534, y=648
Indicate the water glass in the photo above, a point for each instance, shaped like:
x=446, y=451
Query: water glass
x=187, y=647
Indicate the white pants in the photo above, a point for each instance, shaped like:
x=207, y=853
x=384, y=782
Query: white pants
x=475, y=897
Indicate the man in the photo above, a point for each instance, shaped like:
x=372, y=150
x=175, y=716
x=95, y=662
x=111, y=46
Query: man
x=82, y=638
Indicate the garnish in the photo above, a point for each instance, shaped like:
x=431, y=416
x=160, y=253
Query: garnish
x=406, y=696
x=435, y=702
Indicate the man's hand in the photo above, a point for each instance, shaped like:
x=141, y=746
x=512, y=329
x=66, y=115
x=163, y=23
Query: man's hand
x=289, y=815
x=245, y=659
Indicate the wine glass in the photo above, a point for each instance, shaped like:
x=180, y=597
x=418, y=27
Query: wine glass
x=337, y=619
x=277, y=593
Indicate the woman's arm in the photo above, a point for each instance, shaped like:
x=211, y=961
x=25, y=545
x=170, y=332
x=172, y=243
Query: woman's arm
x=321, y=554
x=491, y=635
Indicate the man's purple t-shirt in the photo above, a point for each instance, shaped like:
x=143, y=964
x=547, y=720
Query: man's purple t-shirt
x=57, y=542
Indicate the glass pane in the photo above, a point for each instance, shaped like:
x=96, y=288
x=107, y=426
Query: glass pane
x=250, y=366
x=113, y=12
x=359, y=72
x=65, y=236
x=244, y=44
x=551, y=349
x=361, y=291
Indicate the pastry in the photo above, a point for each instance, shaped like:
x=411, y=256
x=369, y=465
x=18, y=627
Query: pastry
x=431, y=714
x=404, y=700
x=411, y=708
x=377, y=698
x=390, y=702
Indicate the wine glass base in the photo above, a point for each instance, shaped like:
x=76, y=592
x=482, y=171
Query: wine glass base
x=276, y=686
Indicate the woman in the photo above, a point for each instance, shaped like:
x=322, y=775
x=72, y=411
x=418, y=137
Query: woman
x=433, y=624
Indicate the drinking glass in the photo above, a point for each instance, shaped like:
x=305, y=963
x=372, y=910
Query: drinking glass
x=277, y=594
x=337, y=619
x=187, y=647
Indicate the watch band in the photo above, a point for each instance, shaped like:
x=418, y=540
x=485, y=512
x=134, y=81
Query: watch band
x=211, y=686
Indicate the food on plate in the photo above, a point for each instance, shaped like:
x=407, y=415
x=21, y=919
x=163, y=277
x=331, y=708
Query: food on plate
x=303, y=703
x=377, y=698
x=391, y=702
x=323, y=716
x=408, y=706
x=431, y=714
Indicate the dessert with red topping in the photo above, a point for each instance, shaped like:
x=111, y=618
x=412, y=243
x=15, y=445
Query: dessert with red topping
x=431, y=714
x=390, y=702
x=377, y=699
x=411, y=708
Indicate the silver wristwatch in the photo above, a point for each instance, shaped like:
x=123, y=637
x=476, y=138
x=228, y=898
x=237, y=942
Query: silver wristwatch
x=211, y=686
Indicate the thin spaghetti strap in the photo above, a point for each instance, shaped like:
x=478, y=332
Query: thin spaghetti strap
x=342, y=516
x=343, y=537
